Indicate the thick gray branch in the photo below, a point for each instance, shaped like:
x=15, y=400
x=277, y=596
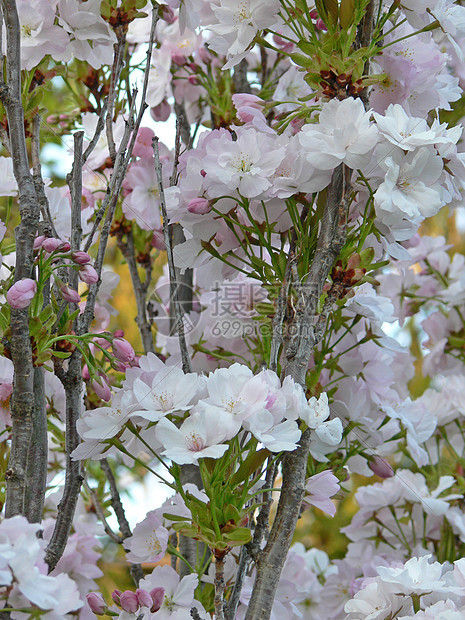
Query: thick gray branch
x=22, y=401
x=298, y=346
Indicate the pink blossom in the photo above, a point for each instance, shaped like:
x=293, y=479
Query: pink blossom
x=51, y=244
x=381, y=467
x=143, y=598
x=320, y=488
x=96, y=602
x=128, y=601
x=38, y=242
x=143, y=145
x=158, y=240
x=161, y=112
x=69, y=294
x=199, y=206
x=81, y=258
x=21, y=293
x=122, y=350
x=88, y=274
x=245, y=99
x=158, y=596
x=149, y=540
x=115, y=595
x=102, y=388
x=166, y=13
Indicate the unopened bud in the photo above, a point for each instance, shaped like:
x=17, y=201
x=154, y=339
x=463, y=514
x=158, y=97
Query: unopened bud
x=128, y=601
x=158, y=596
x=143, y=598
x=199, y=206
x=96, y=603
x=381, y=467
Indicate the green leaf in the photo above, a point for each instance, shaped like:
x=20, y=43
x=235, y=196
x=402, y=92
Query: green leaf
x=174, y=517
x=346, y=13
x=61, y=354
x=249, y=466
x=240, y=536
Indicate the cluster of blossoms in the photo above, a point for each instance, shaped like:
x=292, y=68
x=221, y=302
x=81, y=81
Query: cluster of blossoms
x=23, y=575
x=249, y=196
x=230, y=401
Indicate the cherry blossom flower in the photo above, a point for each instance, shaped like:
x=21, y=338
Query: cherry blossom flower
x=92, y=39
x=416, y=576
x=245, y=165
x=178, y=593
x=199, y=436
x=21, y=293
x=148, y=541
x=171, y=390
x=39, y=34
x=343, y=134
x=275, y=437
x=238, y=23
x=320, y=488
x=410, y=188
x=235, y=393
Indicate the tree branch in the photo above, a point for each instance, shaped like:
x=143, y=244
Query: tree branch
x=298, y=346
x=23, y=405
x=135, y=569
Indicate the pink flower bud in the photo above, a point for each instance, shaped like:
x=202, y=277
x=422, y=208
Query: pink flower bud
x=199, y=206
x=204, y=55
x=102, y=342
x=85, y=373
x=143, y=144
x=178, y=59
x=284, y=45
x=115, y=595
x=88, y=274
x=158, y=596
x=122, y=350
x=96, y=602
x=245, y=99
x=51, y=244
x=192, y=79
x=81, y=258
x=69, y=294
x=128, y=601
x=320, y=25
x=38, y=242
x=158, y=240
x=143, y=598
x=121, y=366
x=296, y=125
x=381, y=467
x=21, y=293
x=166, y=13
x=314, y=14
x=161, y=112
x=102, y=389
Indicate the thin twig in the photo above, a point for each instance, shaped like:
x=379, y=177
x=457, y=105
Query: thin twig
x=37, y=176
x=114, y=79
x=135, y=569
x=128, y=250
x=186, y=362
x=101, y=515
